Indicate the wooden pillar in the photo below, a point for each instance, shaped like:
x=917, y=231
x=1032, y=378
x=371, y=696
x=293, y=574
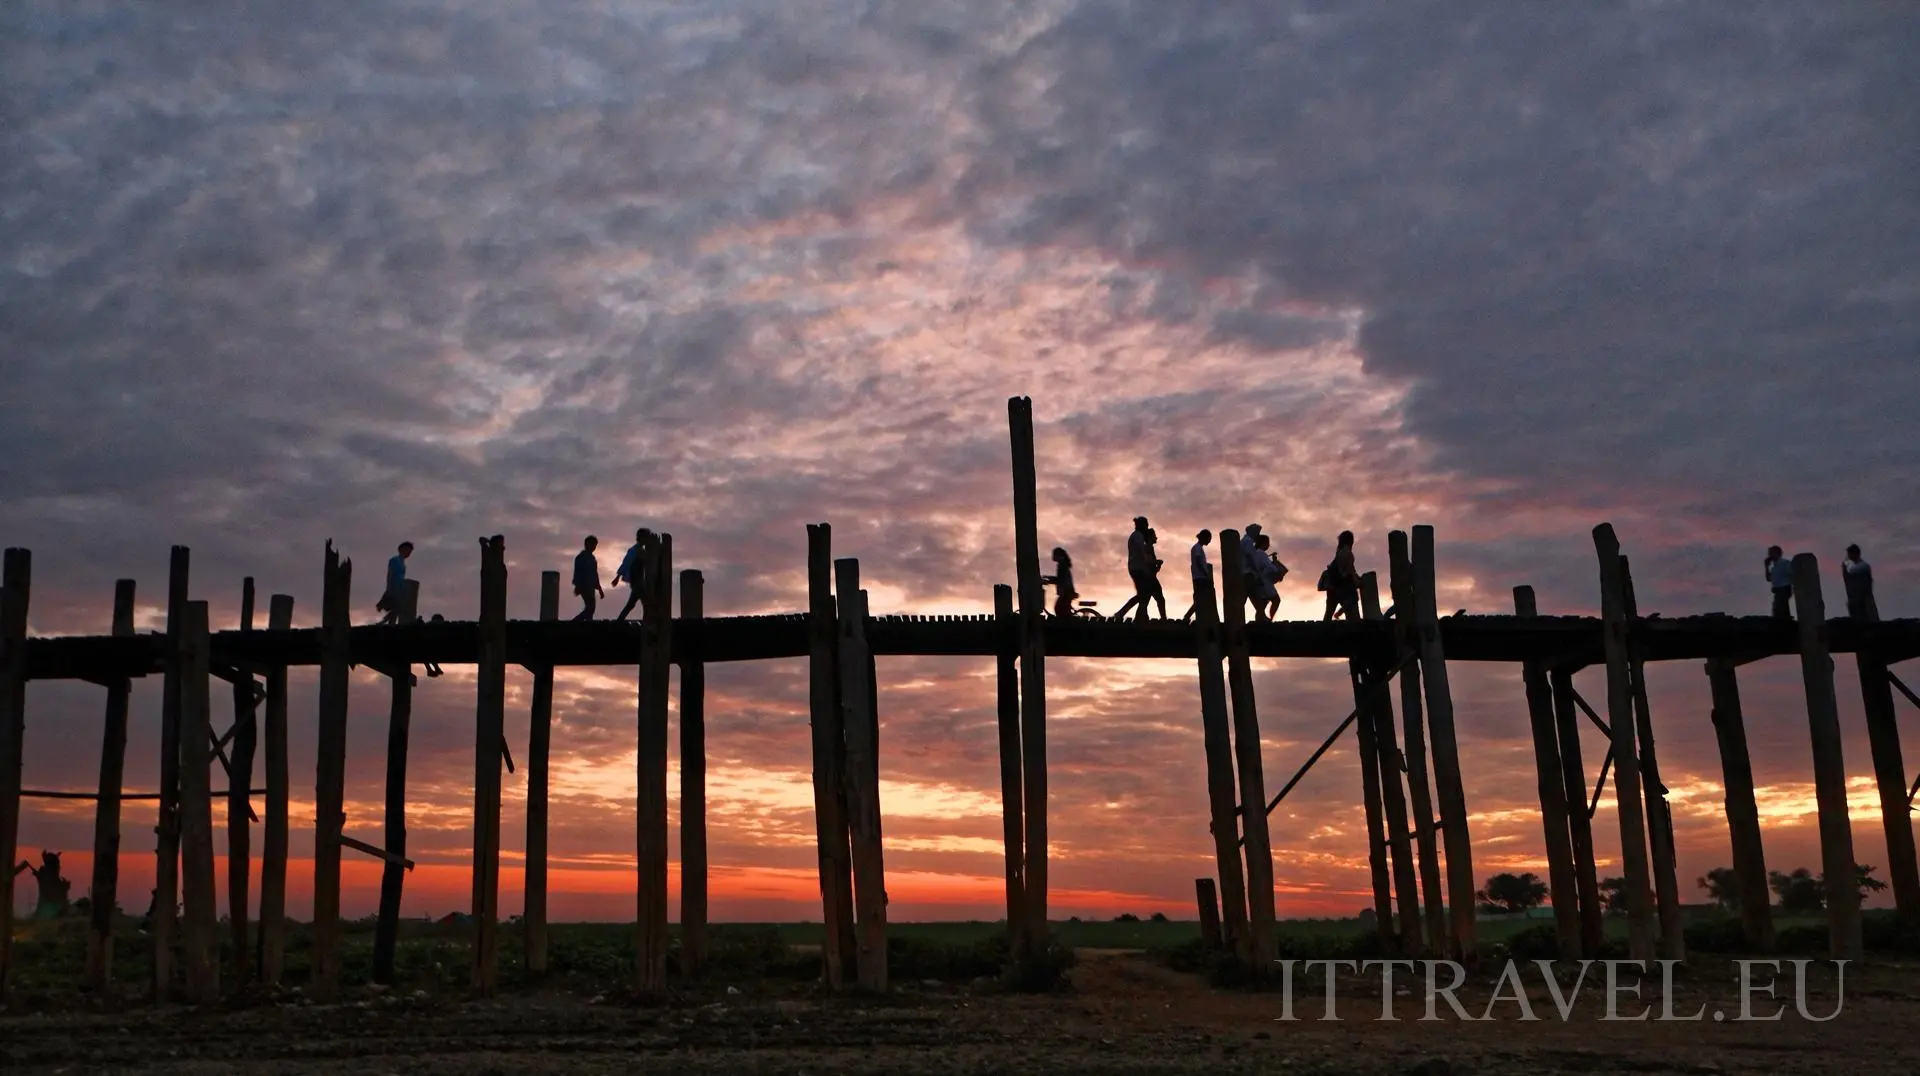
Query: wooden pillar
x=1666, y=876
x=829, y=761
x=1573, y=777
x=1550, y=780
x=1217, y=737
x=1829, y=769
x=490, y=716
x=1890, y=775
x=166, y=880
x=1743, y=814
x=1367, y=737
x=1426, y=837
x=331, y=773
x=1012, y=817
x=105, y=894
x=656, y=652
x=240, y=805
x=1626, y=762
x=273, y=850
x=539, y=748
x=1393, y=798
x=693, y=779
x=1033, y=667
x=386, y=932
x=1446, y=750
x=201, y=948
x=1207, y=900
x=16, y=580
x=1246, y=743
x=859, y=717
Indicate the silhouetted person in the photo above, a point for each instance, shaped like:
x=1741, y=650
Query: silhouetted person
x=52, y=900
x=1202, y=571
x=631, y=570
x=1857, y=574
x=1249, y=556
x=1143, y=567
x=1062, y=580
x=1780, y=578
x=586, y=578
x=1268, y=571
x=1341, y=580
x=394, y=597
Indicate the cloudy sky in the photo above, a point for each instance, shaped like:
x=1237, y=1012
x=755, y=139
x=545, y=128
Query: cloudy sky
x=273, y=273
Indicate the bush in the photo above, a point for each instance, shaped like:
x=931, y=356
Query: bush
x=1883, y=931
x=1540, y=942
x=1801, y=941
x=911, y=957
x=1716, y=934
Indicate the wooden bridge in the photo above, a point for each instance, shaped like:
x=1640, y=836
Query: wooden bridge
x=1420, y=848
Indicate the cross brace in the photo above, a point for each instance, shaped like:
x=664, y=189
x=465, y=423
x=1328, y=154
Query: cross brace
x=375, y=851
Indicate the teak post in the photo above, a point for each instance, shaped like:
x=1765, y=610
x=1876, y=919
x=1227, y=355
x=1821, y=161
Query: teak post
x=837, y=952
x=105, y=895
x=1829, y=769
x=273, y=850
x=490, y=715
x=331, y=770
x=1406, y=879
x=201, y=948
x=1246, y=744
x=1012, y=817
x=239, y=803
x=1890, y=776
x=1743, y=813
x=16, y=579
x=1217, y=736
x=1446, y=750
x=1207, y=900
x=1549, y=779
x=1033, y=670
x=1626, y=760
x=1407, y=645
x=1573, y=776
x=1666, y=879
x=1366, y=737
x=166, y=878
x=859, y=716
x=693, y=778
x=539, y=788
x=656, y=653
x=393, y=872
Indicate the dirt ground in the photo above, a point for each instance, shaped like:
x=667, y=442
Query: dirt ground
x=1121, y=1014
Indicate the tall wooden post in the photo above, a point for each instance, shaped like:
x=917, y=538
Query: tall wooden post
x=490, y=716
x=1246, y=744
x=166, y=879
x=1549, y=778
x=1407, y=642
x=386, y=933
x=859, y=718
x=273, y=850
x=201, y=948
x=539, y=748
x=1666, y=878
x=331, y=773
x=16, y=581
x=1446, y=749
x=693, y=779
x=1743, y=814
x=1012, y=817
x=1367, y=736
x=239, y=805
x=1406, y=880
x=829, y=761
x=1217, y=737
x=1033, y=666
x=105, y=895
x=1829, y=768
x=1626, y=761
x=1573, y=776
x=1890, y=775
x=656, y=652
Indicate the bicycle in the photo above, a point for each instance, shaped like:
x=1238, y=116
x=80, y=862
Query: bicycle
x=1083, y=610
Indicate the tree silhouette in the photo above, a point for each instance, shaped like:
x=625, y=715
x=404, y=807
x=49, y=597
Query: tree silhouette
x=1514, y=892
x=1723, y=886
x=1802, y=892
x=1614, y=892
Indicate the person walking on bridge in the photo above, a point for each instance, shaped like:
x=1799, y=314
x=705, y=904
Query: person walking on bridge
x=1341, y=581
x=1202, y=571
x=1144, y=568
x=1780, y=578
x=1062, y=580
x=586, y=578
x=393, y=598
x=1857, y=574
x=631, y=570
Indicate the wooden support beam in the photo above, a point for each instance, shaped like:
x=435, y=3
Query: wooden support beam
x=1904, y=689
x=1208, y=903
x=656, y=650
x=240, y=816
x=1548, y=777
x=1367, y=692
x=1012, y=817
x=1626, y=781
x=1743, y=813
x=1606, y=765
x=273, y=848
x=1666, y=877
x=1599, y=722
x=693, y=780
x=1406, y=880
x=1217, y=735
x=386, y=930
x=539, y=750
x=1446, y=750
x=837, y=953
x=1829, y=767
x=1890, y=777
x=105, y=894
x=330, y=771
x=16, y=584
x=166, y=898
x=1573, y=779
x=200, y=950
x=1033, y=668
x=1366, y=710
x=490, y=715
x=395, y=859
x=1255, y=838
x=859, y=716
x=1407, y=647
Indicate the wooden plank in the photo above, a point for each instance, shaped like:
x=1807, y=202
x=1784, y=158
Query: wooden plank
x=1890, y=777
x=1666, y=875
x=105, y=893
x=1207, y=899
x=1012, y=817
x=1033, y=668
x=1366, y=734
x=651, y=830
x=1261, y=940
x=16, y=584
x=1217, y=738
x=693, y=781
x=1743, y=813
x=837, y=952
x=490, y=715
x=273, y=849
x=200, y=948
x=1549, y=778
x=1412, y=711
x=1626, y=781
x=330, y=771
x=1448, y=786
x=1829, y=767
x=1573, y=778
x=859, y=718
x=539, y=791
x=1393, y=796
x=386, y=929
x=245, y=739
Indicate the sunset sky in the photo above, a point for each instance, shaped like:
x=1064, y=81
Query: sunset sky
x=274, y=273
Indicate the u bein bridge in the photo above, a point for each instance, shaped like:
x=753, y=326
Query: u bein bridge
x=1421, y=852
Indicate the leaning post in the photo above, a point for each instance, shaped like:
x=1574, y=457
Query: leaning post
x=1406, y=881
x=105, y=894
x=693, y=777
x=650, y=837
x=539, y=748
x=246, y=738
x=1743, y=813
x=1573, y=774
x=1012, y=817
x=202, y=946
x=1626, y=760
x=1407, y=646
x=1829, y=768
x=1033, y=672
x=1890, y=777
x=1217, y=738
x=386, y=935
x=166, y=879
x=330, y=766
x=1666, y=879
x=1246, y=743
x=16, y=578
x=837, y=952
x=1446, y=749
x=490, y=705
x=1549, y=779
x=273, y=848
